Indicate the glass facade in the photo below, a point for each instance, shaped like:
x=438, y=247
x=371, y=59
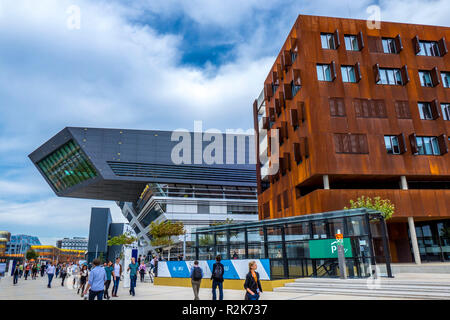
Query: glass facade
x=286, y=243
x=67, y=166
x=433, y=238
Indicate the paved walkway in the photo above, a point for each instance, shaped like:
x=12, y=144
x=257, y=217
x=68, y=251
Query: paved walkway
x=37, y=290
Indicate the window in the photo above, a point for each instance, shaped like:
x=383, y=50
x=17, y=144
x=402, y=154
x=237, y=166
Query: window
x=402, y=109
x=425, y=111
x=425, y=79
x=324, y=72
x=348, y=73
x=390, y=76
x=337, y=107
x=392, y=145
x=351, y=143
x=389, y=45
x=446, y=111
x=370, y=108
x=428, y=146
x=428, y=48
x=351, y=43
x=327, y=40
x=294, y=88
x=445, y=79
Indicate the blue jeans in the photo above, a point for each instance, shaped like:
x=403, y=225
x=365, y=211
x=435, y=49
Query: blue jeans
x=253, y=297
x=16, y=277
x=133, y=284
x=98, y=294
x=216, y=284
x=50, y=278
x=115, y=286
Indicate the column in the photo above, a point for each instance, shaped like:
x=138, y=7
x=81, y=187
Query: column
x=326, y=182
x=412, y=233
x=403, y=183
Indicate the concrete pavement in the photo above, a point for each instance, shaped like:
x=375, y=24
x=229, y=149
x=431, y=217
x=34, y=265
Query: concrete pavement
x=37, y=290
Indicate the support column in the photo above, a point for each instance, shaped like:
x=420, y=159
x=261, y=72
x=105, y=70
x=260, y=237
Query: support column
x=326, y=182
x=403, y=183
x=412, y=233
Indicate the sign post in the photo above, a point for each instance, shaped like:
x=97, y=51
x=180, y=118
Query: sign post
x=341, y=254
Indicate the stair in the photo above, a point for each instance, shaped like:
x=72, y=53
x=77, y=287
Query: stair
x=383, y=287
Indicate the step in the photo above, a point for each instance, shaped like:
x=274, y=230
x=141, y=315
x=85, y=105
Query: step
x=376, y=286
x=382, y=281
x=368, y=293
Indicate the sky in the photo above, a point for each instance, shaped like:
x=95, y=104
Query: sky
x=148, y=64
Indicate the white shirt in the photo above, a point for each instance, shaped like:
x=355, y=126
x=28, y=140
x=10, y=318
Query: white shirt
x=117, y=270
x=51, y=269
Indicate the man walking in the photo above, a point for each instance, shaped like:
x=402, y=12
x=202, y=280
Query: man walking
x=196, y=279
x=96, y=282
x=117, y=273
x=132, y=267
x=50, y=273
x=16, y=274
x=217, y=278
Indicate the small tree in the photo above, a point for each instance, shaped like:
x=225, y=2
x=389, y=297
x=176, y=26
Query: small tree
x=163, y=232
x=31, y=254
x=384, y=206
x=123, y=240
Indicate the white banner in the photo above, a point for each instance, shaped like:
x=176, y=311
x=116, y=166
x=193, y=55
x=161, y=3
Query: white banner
x=126, y=263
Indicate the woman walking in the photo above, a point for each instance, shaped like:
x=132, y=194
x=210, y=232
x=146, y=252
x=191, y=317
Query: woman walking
x=84, y=273
x=63, y=273
x=142, y=270
x=108, y=269
x=252, y=284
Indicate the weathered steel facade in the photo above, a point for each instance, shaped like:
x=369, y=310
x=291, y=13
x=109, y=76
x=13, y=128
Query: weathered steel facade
x=332, y=133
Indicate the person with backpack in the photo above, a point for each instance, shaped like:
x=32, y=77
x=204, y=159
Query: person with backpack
x=252, y=285
x=196, y=279
x=217, y=278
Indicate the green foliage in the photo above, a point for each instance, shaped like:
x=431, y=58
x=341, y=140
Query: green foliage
x=123, y=239
x=162, y=232
x=385, y=206
x=227, y=221
x=206, y=240
x=31, y=254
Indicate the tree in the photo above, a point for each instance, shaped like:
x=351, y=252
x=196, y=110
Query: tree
x=162, y=233
x=31, y=254
x=123, y=240
x=384, y=206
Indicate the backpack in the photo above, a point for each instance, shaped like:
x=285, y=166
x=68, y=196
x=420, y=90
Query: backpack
x=218, y=272
x=197, y=274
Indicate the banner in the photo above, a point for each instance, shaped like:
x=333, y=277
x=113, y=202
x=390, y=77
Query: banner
x=126, y=263
x=233, y=269
x=327, y=248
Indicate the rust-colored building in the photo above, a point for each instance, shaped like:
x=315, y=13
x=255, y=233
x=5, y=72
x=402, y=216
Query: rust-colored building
x=361, y=111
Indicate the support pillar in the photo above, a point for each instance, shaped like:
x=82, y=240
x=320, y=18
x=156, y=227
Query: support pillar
x=326, y=182
x=403, y=183
x=412, y=233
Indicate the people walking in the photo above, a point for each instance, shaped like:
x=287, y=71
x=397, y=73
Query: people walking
x=142, y=270
x=117, y=273
x=75, y=274
x=27, y=270
x=252, y=285
x=58, y=269
x=84, y=273
x=34, y=270
x=42, y=270
x=50, y=273
x=108, y=269
x=132, y=267
x=196, y=279
x=96, y=281
x=16, y=274
x=63, y=273
x=217, y=278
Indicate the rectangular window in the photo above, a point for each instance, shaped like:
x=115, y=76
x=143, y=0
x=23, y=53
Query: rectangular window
x=445, y=79
x=428, y=48
x=425, y=111
x=392, y=145
x=324, y=72
x=348, y=74
x=294, y=88
x=389, y=45
x=446, y=111
x=351, y=43
x=391, y=77
x=327, y=40
x=351, y=143
x=428, y=145
x=425, y=79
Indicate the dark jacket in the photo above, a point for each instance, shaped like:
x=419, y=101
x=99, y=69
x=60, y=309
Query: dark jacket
x=251, y=284
x=214, y=268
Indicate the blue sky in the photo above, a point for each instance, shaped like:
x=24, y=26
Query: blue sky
x=156, y=64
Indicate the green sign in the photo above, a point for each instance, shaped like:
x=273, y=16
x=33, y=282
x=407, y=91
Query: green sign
x=327, y=248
